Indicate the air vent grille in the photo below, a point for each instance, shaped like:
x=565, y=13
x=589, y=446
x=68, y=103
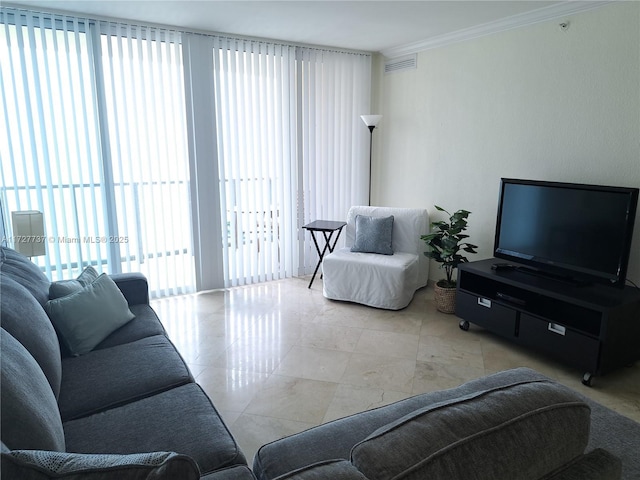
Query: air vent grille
x=400, y=64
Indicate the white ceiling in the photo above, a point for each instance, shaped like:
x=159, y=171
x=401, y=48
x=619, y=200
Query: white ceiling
x=389, y=27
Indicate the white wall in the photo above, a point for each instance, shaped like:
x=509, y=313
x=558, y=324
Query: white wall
x=535, y=102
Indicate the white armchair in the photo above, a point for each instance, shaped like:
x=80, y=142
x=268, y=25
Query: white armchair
x=381, y=281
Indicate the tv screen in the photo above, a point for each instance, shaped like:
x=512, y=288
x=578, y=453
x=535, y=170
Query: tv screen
x=579, y=231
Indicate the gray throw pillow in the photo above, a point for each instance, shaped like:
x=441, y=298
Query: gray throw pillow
x=63, y=288
x=87, y=317
x=373, y=235
x=45, y=465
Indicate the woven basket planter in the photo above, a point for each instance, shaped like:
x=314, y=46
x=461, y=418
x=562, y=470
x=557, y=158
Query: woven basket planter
x=445, y=299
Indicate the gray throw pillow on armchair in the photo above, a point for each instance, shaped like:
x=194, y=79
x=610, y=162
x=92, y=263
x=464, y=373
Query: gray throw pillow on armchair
x=373, y=235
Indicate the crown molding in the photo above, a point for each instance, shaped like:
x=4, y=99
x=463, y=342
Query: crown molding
x=516, y=21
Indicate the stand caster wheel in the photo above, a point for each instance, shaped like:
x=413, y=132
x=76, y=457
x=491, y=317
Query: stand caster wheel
x=464, y=325
x=587, y=379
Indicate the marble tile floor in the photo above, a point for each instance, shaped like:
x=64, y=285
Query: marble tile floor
x=277, y=358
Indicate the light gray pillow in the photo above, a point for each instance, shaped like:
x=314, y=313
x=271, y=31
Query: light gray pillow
x=63, y=288
x=87, y=317
x=373, y=235
x=45, y=465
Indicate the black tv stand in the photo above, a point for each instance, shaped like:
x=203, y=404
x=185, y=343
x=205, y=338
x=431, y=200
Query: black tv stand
x=595, y=328
x=554, y=276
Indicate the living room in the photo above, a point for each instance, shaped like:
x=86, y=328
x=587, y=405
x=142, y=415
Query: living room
x=555, y=100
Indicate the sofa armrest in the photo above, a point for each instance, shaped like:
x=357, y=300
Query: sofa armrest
x=133, y=286
x=595, y=465
x=47, y=464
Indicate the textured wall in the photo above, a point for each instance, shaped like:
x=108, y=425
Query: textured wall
x=536, y=102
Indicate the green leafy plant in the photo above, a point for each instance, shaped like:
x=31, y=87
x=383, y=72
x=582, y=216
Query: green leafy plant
x=445, y=244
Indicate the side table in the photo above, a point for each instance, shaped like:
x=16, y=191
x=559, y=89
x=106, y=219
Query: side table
x=328, y=228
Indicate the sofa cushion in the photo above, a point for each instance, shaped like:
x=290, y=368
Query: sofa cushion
x=29, y=415
x=45, y=465
x=373, y=235
x=384, y=281
x=181, y=420
x=23, y=317
x=145, y=324
x=118, y=375
x=63, y=288
x=333, y=469
x=528, y=429
x=87, y=317
x=237, y=472
x=26, y=273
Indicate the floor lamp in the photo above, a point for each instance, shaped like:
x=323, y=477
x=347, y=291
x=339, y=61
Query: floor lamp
x=370, y=121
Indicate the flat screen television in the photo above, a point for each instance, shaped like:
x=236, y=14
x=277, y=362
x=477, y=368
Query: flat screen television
x=579, y=232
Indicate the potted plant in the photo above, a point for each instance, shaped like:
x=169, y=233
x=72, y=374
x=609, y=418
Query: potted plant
x=445, y=245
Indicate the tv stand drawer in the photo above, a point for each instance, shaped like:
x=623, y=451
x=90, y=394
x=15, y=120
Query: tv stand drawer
x=559, y=341
x=486, y=313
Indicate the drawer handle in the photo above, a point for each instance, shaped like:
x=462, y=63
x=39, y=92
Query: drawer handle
x=555, y=328
x=485, y=302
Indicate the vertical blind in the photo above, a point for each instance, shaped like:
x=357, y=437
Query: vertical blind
x=290, y=150
x=94, y=134
x=94, y=115
x=149, y=166
x=334, y=88
x=256, y=142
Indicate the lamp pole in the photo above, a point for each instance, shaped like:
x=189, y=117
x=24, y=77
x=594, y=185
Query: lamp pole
x=371, y=127
x=370, y=121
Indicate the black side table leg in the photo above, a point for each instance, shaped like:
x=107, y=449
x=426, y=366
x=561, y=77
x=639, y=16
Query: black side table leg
x=327, y=246
x=319, y=261
x=327, y=228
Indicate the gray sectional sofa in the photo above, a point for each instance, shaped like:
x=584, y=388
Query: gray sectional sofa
x=127, y=407
x=516, y=424
x=131, y=394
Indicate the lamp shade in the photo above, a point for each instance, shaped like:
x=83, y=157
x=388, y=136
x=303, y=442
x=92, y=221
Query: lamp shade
x=28, y=232
x=371, y=120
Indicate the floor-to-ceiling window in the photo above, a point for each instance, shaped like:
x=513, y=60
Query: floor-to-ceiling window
x=96, y=140
x=108, y=134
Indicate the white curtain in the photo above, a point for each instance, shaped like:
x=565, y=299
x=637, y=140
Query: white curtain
x=333, y=152
x=93, y=135
x=291, y=149
x=255, y=100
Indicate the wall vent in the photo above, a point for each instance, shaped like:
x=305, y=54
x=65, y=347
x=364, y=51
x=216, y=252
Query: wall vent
x=400, y=64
